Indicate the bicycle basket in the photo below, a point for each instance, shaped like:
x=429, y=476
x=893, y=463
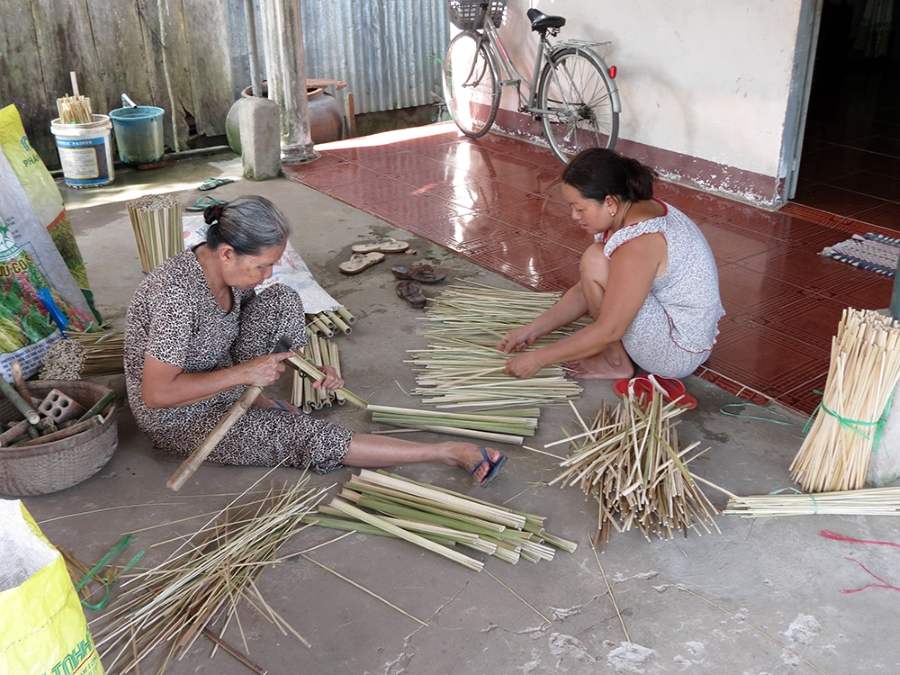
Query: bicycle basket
x=468, y=14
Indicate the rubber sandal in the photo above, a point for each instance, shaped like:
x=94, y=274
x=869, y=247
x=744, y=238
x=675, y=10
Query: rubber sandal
x=387, y=246
x=213, y=183
x=360, y=261
x=421, y=272
x=674, y=389
x=203, y=203
x=412, y=293
x=493, y=472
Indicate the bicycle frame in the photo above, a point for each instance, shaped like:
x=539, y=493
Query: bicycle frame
x=514, y=76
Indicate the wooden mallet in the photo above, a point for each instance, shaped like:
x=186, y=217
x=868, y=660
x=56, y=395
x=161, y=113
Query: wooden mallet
x=187, y=468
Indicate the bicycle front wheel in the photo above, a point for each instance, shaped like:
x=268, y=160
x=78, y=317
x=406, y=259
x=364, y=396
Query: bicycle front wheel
x=575, y=95
x=471, y=84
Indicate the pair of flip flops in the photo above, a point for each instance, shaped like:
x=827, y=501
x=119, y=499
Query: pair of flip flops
x=389, y=245
x=672, y=389
x=493, y=471
x=421, y=272
x=360, y=261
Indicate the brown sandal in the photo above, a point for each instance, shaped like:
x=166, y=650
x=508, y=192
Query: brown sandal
x=412, y=293
x=421, y=272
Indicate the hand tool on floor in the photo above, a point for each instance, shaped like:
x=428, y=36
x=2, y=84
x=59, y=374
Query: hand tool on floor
x=187, y=468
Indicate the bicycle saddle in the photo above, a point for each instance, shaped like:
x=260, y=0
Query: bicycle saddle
x=541, y=21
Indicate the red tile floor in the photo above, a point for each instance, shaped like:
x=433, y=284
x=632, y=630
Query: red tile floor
x=496, y=202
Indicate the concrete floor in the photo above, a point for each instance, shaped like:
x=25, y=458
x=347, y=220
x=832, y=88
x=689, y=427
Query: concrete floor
x=765, y=596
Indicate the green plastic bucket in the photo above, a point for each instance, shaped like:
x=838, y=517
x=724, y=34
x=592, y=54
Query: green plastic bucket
x=139, y=133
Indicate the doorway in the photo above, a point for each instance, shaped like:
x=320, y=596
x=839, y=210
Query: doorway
x=850, y=165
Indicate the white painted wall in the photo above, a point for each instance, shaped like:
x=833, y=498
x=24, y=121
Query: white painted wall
x=706, y=78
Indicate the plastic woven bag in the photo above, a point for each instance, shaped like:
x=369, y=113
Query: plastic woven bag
x=43, y=630
x=884, y=465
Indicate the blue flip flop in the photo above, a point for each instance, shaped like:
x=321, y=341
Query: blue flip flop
x=494, y=470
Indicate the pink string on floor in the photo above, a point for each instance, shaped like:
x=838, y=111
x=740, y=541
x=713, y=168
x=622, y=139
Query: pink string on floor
x=834, y=536
x=883, y=584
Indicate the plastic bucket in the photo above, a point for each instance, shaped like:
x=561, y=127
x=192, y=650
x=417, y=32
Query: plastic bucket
x=139, y=133
x=85, y=152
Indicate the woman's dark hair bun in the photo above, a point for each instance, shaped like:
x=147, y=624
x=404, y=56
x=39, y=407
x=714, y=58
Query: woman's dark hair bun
x=598, y=173
x=211, y=214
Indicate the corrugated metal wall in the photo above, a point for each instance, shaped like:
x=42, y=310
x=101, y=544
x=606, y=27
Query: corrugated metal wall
x=390, y=51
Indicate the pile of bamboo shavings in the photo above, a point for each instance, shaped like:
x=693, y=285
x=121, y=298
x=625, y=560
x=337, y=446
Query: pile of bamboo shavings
x=866, y=502
x=75, y=109
x=329, y=324
x=438, y=520
x=862, y=376
x=319, y=352
x=84, y=353
x=156, y=221
x=202, y=582
x=462, y=368
x=630, y=462
x=509, y=426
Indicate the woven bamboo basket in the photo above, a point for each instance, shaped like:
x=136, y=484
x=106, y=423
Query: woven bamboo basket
x=50, y=467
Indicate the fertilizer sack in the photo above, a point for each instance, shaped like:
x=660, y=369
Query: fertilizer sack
x=884, y=465
x=27, y=173
x=43, y=630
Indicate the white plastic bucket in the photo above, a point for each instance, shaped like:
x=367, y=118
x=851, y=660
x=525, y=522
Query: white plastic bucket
x=85, y=152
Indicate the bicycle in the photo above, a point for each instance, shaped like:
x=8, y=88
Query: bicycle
x=562, y=72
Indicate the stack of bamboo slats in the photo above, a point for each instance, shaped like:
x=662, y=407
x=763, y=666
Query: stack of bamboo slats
x=202, y=582
x=437, y=519
x=630, y=462
x=75, y=109
x=462, y=368
x=862, y=377
x=320, y=353
x=156, y=221
x=509, y=426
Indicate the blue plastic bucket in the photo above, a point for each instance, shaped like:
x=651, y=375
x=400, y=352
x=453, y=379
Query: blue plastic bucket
x=139, y=133
x=85, y=152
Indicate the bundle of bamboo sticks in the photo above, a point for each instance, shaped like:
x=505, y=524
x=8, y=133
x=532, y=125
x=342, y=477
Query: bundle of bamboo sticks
x=320, y=353
x=462, y=368
x=437, y=519
x=203, y=580
x=156, y=221
x=84, y=353
x=330, y=323
x=869, y=502
x=862, y=376
x=75, y=109
x=629, y=460
x=508, y=426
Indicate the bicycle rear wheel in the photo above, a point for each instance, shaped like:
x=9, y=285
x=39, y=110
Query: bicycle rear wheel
x=471, y=84
x=575, y=95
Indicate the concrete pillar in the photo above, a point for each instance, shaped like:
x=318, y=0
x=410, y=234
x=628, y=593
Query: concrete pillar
x=287, y=77
x=260, y=125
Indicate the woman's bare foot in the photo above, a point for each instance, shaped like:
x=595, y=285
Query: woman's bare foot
x=601, y=367
x=467, y=456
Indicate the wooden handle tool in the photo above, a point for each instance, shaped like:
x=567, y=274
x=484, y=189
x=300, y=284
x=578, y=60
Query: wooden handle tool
x=198, y=456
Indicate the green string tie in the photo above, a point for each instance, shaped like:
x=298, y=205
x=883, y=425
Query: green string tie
x=815, y=504
x=857, y=426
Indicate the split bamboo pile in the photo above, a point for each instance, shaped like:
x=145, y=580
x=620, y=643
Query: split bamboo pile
x=156, y=221
x=84, y=354
x=328, y=324
x=438, y=520
x=304, y=366
x=202, y=582
x=462, y=368
x=862, y=376
x=75, y=109
x=630, y=462
x=320, y=353
x=870, y=502
x=509, y=426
